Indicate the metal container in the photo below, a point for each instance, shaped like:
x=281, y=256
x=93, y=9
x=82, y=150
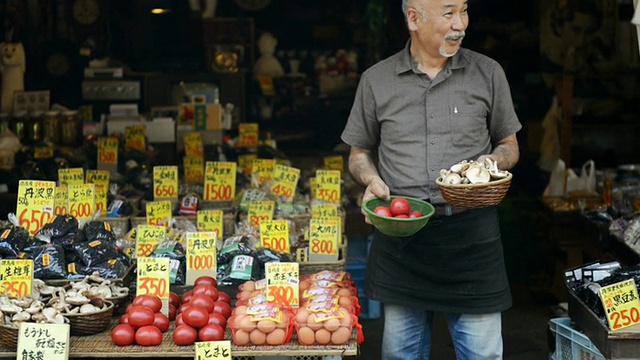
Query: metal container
x=17, y=124
x=51, y=127
x=33, y=128
x=71, y=128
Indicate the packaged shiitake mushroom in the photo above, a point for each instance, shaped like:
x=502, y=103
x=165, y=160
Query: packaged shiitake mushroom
x=264, y=324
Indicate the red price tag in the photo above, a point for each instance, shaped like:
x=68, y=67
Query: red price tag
x=281, y=293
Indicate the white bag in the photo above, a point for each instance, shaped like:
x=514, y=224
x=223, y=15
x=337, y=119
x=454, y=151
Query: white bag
x=555, y=187
x=586, y=182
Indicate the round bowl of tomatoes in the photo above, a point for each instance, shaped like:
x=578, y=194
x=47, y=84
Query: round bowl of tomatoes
x=400, y=216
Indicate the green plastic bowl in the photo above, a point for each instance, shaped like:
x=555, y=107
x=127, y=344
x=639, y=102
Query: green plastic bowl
x=391, y=226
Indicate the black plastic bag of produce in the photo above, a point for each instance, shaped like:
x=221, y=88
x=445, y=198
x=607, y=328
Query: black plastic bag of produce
x=49, y=263
x=15, y=236
x=60, y=226
x=95, y=252
x=98, y=230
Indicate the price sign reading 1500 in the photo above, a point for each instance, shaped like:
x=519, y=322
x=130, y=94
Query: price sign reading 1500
x=220, y=180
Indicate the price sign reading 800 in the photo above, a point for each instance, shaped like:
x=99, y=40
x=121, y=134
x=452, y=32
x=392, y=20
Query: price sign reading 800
x=260, y=211
x=165, y=182
x=153, y=277
x=35, y=205
x=324, y=235
x=328, y=185
x=220, y=180
x=621, y=304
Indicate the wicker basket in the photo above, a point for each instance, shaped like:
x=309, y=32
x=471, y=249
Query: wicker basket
x=9, y=336
x=89, y=324
x=475, y=195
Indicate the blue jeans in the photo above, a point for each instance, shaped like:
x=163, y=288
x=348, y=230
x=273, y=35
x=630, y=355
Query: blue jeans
x=407, y=334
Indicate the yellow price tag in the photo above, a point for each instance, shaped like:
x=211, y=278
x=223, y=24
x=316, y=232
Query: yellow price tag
x=72, y=176
x=220, y=180
x=193, y=144
x=35, y=204
x=82, y=200
x=274, y=234
x=107, y=150
x=260, y=211
x=334, y=162
x=101, y=199
x=313, y=186
x=248, y=134
x=328, y=184
x=621, y=304
x=245, y=162
x=98, y=177
x=153, y=278
x=159, y=213
x=43, y=341
x=201, y=255
x=193, y=169
x=285, y=180
x=43, y=152
x=324, y=237
x=147, y=239
x=135, y=137
x=16, y=275
x=165, y=182
x=213, y=350
x=261, y=171
x=282, y=282
x=61, y=201
x=211, y=220
x=324, y=210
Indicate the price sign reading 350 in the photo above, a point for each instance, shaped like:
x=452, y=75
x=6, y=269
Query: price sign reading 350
x=153, y=277
x=328, y=185
x=220, y=180
x=165, y=182
x=36, y=201
x=621, y=304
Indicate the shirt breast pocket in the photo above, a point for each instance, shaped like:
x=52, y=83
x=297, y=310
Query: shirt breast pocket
x=468, y=125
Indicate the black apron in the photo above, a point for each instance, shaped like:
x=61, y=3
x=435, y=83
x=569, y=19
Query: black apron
x=454, y=264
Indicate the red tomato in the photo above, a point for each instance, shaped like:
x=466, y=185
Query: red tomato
x=222, y=308
x=211, y=332
x=222, y=296
x=186, y=296
x=206, y=280
x=218, y=319
x=161, y=321
x=202, y=300
x=416, y=214
x=195, y=316
x=140, y=315
x=126, y=310
x=382, y=211
x=179, y=320
x=183, y=307
x=151, y=301
x=174, y=299
x=148, y=336
x=184, y=335
x=401, y=216
x=400, y=206
x=123, y=335
x=206, y=289
x=124, y=319
x=172, y=312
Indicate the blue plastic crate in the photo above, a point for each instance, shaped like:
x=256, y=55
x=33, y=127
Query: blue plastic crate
x=358, y=249
x=369, y=309
x=571, y=343
x=358, y=272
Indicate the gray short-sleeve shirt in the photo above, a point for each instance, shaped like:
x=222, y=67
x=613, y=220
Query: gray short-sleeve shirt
x=419, y=125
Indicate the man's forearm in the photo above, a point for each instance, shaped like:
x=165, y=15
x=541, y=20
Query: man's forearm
x=361, y=166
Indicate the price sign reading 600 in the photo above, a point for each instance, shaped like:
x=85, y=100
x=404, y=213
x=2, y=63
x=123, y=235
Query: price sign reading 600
x=82, y=200
x=220, y=180
x=36, y=202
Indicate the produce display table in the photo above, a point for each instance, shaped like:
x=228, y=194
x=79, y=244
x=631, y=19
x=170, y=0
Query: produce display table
x=101, y=346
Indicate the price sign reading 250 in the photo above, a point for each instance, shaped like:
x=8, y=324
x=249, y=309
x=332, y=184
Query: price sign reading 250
x=35, y=205
x=621, y=304
x=165, y=182
x=153, y=277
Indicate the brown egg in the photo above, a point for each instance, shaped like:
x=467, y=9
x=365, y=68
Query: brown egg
x=240, y=310
x=332, y=324
x=244, y=295
x=257, y=337
x=311, y=323
x=323, y=336
x=344, y=292
x=304, y=285
x=341, y=336
x=241, y=337
x=266, y=326
x=276, y=337
x=236, y=321
x=301, y=316
x=346, y=320
x=345, y=301
x=306, y=336
x=246, y=324
x=249, y=286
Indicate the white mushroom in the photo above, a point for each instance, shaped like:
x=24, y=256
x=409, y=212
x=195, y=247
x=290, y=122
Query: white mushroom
x=79, y=299
x=35, y=307
x=21, y=316
x=478, y=175
x=88, y=309
x=10, y=309
x=452, y=179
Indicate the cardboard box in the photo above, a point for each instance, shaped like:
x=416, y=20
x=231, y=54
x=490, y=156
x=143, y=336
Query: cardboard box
x=202, y=116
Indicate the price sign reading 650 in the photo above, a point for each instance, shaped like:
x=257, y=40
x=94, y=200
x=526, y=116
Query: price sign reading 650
x=36, y=201
x=621, y=304
x=165, y=182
